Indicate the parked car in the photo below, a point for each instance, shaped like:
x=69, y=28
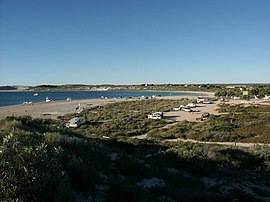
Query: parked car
x=156, y=115
x=176, y=108
x=205, y=115
x=187, y=110
x=191, y=105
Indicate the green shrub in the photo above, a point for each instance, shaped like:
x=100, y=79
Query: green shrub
x=30, y=169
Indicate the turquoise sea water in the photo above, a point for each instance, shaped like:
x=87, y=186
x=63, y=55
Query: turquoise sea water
x=15, y=98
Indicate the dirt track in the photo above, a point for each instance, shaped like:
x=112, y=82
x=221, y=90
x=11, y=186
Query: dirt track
x=236, y=144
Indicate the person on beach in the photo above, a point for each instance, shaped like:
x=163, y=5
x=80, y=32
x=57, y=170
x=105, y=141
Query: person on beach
x=78, y=107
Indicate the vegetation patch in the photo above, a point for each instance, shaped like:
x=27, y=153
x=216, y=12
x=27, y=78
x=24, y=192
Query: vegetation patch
x=42, y=160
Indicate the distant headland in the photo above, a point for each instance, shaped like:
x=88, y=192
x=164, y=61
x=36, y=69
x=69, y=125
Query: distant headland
x=140, y=87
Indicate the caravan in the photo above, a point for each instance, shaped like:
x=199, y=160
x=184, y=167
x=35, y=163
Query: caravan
x=75, y=122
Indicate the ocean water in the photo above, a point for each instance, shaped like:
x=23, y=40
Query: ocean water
x=17, y=98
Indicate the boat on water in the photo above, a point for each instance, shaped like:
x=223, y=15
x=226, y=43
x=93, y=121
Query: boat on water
x=35, y=94
x=68, y=99
x=48, y=99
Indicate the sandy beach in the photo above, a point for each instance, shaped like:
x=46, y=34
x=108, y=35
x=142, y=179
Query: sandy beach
x=52, y=109
x=59, y=108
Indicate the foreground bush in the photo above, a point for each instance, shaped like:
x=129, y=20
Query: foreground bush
x=30, y=169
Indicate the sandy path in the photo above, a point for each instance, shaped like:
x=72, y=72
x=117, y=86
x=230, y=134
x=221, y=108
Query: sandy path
x=237, y=144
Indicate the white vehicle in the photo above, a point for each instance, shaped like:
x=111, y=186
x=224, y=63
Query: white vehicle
x=200, y=100
x=187, y=110
x=191, y=105
x=156, y=115
x=266, y=97
x=75, y=122
x=27, y=103
x=207, y=102
x=176, y=108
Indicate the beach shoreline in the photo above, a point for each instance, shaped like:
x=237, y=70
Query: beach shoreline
x=51, y=109
x=54, y=109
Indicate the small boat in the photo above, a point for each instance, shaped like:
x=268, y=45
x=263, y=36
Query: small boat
x=35, y=94
x=48, y=99
x=68, y=99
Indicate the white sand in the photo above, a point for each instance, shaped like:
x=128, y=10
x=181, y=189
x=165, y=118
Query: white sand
x=52, y=109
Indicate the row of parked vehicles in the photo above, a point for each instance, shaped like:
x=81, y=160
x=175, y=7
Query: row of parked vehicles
x=186, y=108
x=190, y=107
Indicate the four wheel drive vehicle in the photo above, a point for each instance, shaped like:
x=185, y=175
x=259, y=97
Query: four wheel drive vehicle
x=156, y=115
x=191, y=105
x=205, y=114
x=187, y=110
x=208, y=102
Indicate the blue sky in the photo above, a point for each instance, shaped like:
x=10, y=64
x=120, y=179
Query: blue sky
x=134, y=41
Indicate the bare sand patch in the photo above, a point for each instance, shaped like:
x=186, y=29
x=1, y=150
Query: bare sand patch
x=52, y=109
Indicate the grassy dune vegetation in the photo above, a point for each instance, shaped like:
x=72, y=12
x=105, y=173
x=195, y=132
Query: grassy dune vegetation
x=42, y=160
x=124, y=119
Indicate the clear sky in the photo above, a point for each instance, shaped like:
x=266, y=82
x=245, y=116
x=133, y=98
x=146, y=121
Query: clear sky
x=134, y=41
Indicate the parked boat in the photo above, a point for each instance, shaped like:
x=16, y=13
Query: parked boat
x=35, y=94
x=48, y=99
